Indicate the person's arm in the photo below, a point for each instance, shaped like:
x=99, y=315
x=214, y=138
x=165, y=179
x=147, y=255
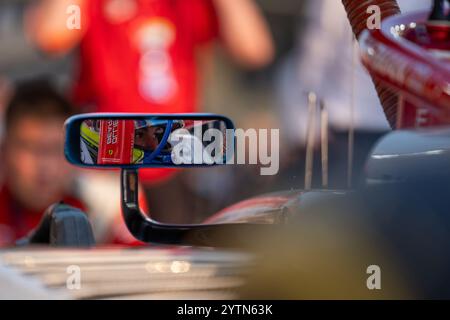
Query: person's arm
x=46, y=25
x=244, y=32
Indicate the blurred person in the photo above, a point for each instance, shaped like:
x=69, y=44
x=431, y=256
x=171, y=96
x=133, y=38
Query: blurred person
x=5, y=95
x=326, y=62
x=35, y=173
x=142, y=56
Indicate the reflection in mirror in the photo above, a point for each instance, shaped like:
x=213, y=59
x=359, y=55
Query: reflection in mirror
x=153, y=141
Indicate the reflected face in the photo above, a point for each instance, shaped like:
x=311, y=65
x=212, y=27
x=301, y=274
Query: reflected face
x=146, y=141
x=148, y=138
x=35, y=169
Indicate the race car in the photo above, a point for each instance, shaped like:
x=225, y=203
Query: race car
x=292, y=244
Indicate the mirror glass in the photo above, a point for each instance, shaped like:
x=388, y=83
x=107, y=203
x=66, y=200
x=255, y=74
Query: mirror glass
x=154, y=141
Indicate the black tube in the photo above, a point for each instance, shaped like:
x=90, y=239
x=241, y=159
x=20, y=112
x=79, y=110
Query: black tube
x=438, y=11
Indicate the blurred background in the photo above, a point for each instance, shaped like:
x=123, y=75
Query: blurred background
x=230, y=90
x=305, y=46
x=245, y=95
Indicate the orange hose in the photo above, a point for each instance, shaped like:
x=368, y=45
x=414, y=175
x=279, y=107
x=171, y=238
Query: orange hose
x=357, y=15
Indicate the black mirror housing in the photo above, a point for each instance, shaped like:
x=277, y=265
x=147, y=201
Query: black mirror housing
x=133, y=141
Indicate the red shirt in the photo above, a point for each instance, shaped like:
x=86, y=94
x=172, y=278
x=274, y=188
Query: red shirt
x=17, y=221
x=147, y=63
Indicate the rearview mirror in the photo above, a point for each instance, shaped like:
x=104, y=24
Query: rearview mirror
x=145, y=141
x=133, y=141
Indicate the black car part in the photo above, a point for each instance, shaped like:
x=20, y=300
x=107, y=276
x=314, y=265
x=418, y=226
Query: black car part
x=147, y=230
x=61, y=226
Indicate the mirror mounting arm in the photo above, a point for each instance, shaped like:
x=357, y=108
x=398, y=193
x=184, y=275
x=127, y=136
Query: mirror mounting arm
x=149, y=231
x=140, y=226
